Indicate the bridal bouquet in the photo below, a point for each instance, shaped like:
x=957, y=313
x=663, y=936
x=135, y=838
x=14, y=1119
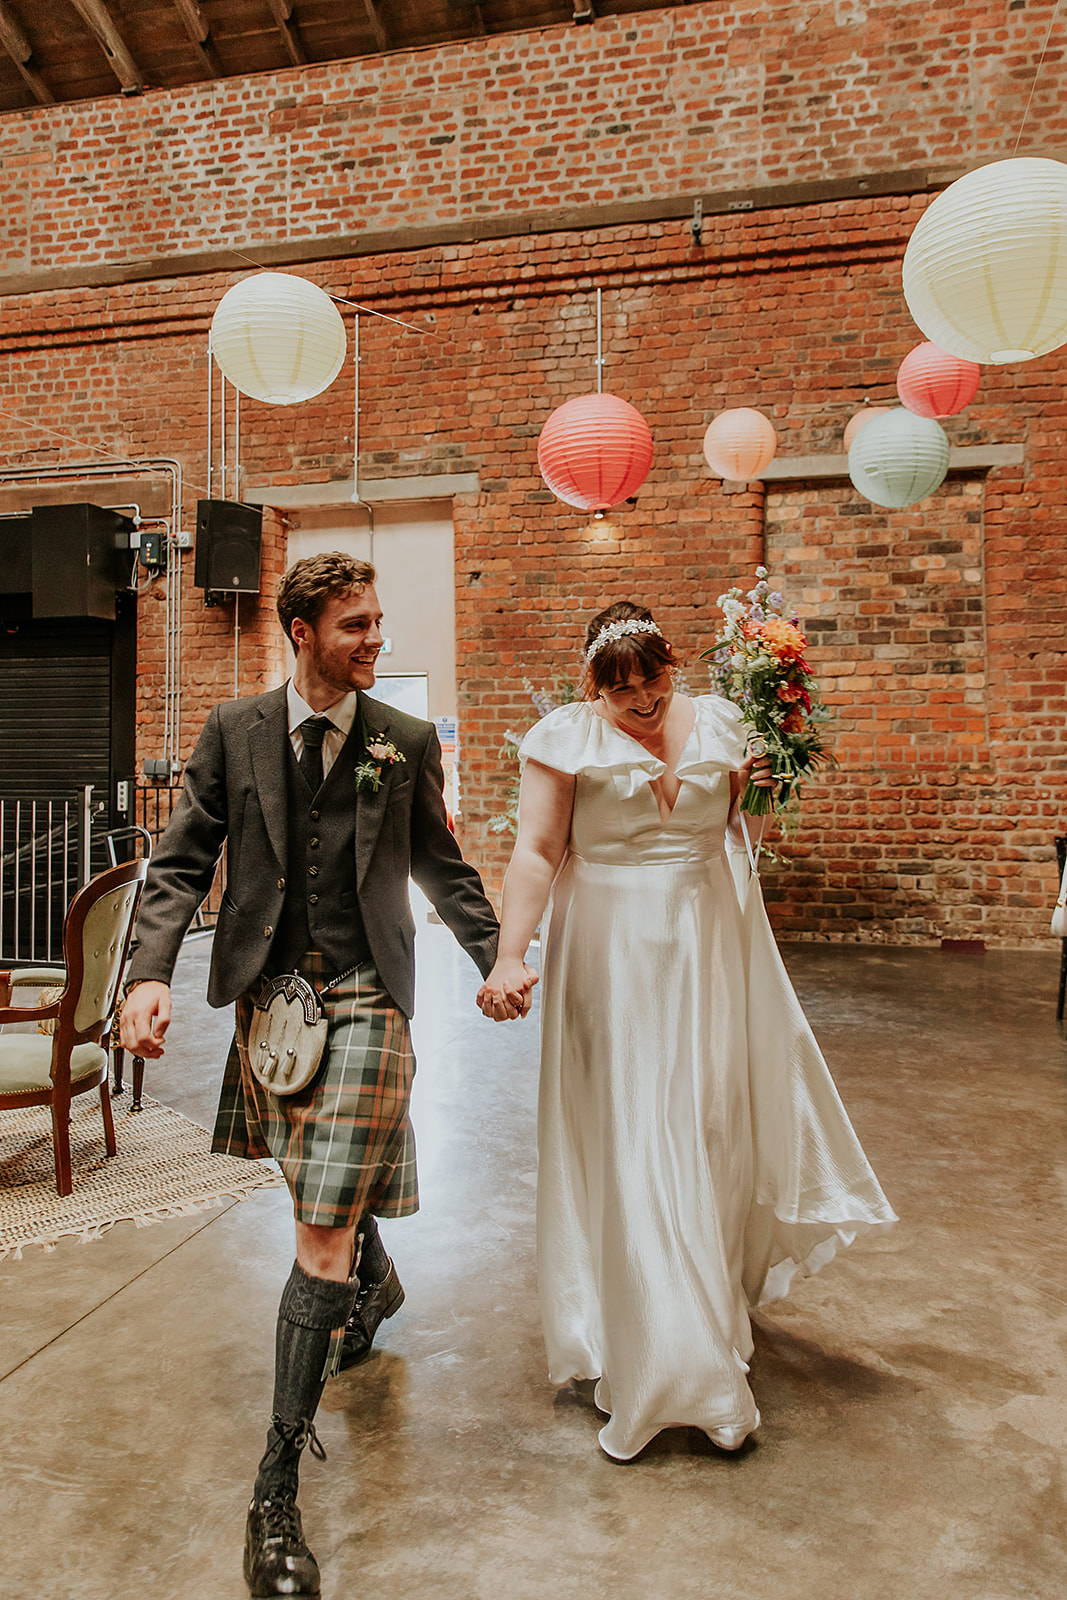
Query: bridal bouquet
x=757, y=662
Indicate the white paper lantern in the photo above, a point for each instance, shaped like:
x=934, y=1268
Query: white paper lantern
x=860, y=420
x=985, y=271
x=278, y=338
x=898, y=458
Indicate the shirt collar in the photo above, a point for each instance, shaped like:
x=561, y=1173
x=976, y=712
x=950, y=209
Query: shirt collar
x=342, y=713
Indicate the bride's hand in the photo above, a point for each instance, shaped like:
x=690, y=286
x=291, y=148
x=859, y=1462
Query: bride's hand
x=757, y=769
x=505, y=994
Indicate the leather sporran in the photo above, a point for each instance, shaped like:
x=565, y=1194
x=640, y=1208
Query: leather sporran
x=287, y=1035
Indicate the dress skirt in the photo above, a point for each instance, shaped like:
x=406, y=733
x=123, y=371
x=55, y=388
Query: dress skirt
x=693, y=1151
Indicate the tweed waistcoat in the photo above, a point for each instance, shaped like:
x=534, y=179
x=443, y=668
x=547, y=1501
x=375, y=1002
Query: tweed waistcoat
x=321, y=910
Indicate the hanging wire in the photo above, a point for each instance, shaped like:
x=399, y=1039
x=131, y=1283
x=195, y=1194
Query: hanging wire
x=1037, y=74
x=599, y=346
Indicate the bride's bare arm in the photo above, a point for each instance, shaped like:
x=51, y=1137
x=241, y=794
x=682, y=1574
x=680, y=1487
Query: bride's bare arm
x=546, y=800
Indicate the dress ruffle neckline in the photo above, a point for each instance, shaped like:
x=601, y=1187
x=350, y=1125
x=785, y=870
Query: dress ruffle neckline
x=575, y=739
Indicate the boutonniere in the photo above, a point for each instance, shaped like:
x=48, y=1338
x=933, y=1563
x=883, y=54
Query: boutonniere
x=381, y=753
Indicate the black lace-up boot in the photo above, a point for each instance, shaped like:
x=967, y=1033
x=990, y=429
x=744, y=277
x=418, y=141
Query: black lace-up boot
x=311, y=1321
x=381, y=1295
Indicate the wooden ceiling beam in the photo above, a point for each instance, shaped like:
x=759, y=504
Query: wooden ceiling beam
x=282, y=12
x=20, y=50
x=381, y=40
x=200, y=34
x=101, y=24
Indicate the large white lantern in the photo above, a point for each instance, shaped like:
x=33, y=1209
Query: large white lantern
x=278, y=338
x=898, y=458
x=985, y=271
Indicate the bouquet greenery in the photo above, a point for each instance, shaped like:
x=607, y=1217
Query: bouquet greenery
x=757, y=662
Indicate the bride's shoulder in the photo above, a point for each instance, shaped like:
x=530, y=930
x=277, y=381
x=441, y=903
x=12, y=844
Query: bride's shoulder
x=714, y=708
x=561, y=739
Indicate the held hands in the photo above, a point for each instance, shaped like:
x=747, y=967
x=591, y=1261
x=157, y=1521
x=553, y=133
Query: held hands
x=506, y=993
x=145, y=1019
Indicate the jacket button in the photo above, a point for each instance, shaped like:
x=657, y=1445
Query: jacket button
x=281, y=883
x=268, y=931
x=313, y=872
x=313, y=899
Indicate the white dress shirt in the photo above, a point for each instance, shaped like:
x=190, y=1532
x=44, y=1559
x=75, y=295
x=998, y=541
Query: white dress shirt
x=340, y=715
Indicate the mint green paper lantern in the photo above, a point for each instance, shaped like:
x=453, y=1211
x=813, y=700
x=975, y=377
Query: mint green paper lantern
x=898, y=458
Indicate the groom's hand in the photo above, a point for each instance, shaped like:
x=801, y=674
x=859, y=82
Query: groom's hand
x=145, y=1019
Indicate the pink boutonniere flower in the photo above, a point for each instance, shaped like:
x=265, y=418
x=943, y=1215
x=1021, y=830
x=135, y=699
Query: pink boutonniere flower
x=381, y=753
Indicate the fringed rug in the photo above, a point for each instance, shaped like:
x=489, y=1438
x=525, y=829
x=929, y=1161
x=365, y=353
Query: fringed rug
x=164, y=1168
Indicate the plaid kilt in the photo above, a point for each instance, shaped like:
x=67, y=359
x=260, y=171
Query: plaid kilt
x=345, y=1144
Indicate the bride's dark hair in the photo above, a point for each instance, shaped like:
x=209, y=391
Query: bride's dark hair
x=644, y=652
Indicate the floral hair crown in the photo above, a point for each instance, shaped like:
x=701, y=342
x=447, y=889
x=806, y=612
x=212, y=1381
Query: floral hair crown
x=611, y=631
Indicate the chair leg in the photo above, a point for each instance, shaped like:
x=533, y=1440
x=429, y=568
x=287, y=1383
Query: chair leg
x=61, y=1145
x=138, y=1082
x=118, y=1057
x=109, y=1122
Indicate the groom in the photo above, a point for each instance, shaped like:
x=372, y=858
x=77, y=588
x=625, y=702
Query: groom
x=326, y=801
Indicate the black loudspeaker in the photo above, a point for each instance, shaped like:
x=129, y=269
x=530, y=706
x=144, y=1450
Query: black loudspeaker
x=228, y=537
x=78, y=560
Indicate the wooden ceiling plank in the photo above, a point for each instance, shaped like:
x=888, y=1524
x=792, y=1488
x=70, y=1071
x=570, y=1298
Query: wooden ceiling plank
x=381, y=39
x=200, y=34
x=20, y=50
x=99, y=21
x=282, y=12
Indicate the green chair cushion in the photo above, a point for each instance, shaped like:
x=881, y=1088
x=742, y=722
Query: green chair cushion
x=25, y=1060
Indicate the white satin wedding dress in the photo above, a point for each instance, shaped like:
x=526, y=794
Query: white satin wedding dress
x=693, y=1152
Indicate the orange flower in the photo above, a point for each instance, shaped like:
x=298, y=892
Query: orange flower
x=793, y=721
x=783, y=639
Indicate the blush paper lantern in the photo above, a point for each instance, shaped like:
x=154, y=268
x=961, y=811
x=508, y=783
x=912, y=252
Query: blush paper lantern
x=594, y=451
x=278, y=338
x=739, y=443
x=985, y=271
x=933, y=383
x=860, y=420
x=898, y=458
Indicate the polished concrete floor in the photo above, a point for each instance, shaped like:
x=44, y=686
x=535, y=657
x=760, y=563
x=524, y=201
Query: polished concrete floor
x=914, y=1395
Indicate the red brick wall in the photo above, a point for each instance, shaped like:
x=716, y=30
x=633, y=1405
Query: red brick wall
x=938, y=820
x=708, y=96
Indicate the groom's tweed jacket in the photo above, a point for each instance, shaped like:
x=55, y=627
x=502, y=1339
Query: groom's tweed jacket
x=235, y=795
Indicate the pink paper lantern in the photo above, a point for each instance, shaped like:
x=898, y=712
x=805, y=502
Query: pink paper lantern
x=739, y=444
x=931, y=383
x=594, y=451
x=860, y=420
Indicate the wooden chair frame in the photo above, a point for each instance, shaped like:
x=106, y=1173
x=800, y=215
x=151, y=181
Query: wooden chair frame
x=66, y=1036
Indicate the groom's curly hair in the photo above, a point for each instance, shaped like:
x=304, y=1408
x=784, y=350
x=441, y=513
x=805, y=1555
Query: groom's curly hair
x=311, y=583
x=647, y=653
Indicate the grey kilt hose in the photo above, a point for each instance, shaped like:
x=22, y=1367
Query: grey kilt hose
x=345, y=1144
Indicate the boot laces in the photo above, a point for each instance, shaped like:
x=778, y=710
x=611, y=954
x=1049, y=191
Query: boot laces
x=291, y=1438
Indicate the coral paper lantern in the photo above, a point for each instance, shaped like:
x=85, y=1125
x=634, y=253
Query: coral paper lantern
x=898, y=458
x=739, y=444
x=860, y=420
x=278, y=338
x=594, y=451
x=985, y=271
x=933, y=383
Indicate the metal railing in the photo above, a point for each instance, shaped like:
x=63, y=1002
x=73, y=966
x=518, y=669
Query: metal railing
x=45, y=857
x=50, y=846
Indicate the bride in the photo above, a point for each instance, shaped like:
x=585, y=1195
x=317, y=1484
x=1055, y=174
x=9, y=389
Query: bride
x=693, y=1152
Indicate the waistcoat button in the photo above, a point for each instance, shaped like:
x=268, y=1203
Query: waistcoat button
x=281, y=883
x=268, y=932
x=313, y=844
x=313, y=899
x=313, y=872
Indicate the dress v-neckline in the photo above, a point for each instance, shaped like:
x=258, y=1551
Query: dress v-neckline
x=630, y=739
